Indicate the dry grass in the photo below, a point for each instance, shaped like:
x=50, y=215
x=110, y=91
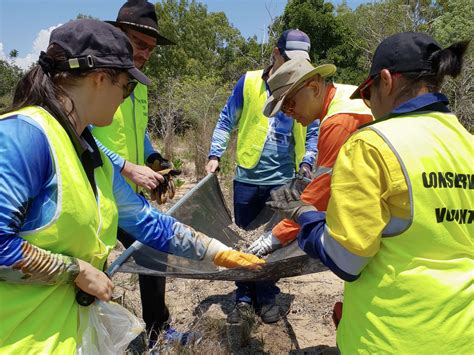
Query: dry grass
x=201, y=306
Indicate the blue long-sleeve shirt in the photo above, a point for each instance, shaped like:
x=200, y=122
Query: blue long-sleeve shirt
x=276, y=163
x=28, y=199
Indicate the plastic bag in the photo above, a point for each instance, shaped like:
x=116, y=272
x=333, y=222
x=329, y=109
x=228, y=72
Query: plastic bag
x=106, y=328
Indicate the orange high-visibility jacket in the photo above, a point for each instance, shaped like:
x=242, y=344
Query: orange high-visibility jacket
x=334, y=130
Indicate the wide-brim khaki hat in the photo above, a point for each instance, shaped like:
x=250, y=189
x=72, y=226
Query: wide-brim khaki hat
x=289, y=78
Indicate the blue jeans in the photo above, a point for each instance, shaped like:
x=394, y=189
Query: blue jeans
x=249, y=201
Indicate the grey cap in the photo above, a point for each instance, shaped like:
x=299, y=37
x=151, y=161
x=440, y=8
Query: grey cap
x=289, y=78
x=91, y=44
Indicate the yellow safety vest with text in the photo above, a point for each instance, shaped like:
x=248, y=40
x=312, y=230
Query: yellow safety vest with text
x=253, y=125
x=43, y=319
x=126, y=135
x=416, y=294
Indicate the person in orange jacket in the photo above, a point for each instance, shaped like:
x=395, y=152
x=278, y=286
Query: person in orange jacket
x=339, y=117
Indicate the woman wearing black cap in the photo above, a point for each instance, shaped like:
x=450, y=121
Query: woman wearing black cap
x=398, y=227
x=61, y=199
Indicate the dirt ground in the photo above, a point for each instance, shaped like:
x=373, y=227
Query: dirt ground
x=201, y=306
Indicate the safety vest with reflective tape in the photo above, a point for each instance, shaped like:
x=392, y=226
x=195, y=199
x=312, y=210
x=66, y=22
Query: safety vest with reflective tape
x=415, y=295
x=126, y=135
x=253, y=125
x=44, y=319
x=341, y=104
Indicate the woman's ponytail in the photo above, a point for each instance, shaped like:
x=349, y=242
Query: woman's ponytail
x=449, y=61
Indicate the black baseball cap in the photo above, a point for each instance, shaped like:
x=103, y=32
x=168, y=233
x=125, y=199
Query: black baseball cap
x=92, y=44
x=140, y=16
x=402, y=53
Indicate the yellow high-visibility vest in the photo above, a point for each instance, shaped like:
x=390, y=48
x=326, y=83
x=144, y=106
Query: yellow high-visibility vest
x=126, y=135
x=416, y=294
x=253, y=125
x=43, y=319
x=341, y=103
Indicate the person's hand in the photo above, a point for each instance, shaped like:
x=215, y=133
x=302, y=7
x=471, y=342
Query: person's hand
x=233, y=258
x=305, y=170
x=94, y=281
x=142, y=176
x=286, y=201
x=264, y=245
x=212, y=165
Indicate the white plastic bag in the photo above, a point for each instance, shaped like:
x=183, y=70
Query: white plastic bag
x=106, y=328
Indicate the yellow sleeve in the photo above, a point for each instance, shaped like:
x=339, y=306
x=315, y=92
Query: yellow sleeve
x=366, y=176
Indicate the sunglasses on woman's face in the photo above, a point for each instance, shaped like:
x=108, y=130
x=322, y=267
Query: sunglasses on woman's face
x=129, y=87
x=365, y=90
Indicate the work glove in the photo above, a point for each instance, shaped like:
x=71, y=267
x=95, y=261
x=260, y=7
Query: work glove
x=225, y=256
x=233, y=258
x=167, y=189
x=264, y=245
x=156, y=162
x=299, y=184
x=286, y=201
x=305, y=171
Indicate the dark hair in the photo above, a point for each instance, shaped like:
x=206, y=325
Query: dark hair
x=41, y=85
x=448, y=61
x=283, y=54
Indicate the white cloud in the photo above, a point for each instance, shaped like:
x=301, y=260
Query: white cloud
x=2, y=54
x=39, y=44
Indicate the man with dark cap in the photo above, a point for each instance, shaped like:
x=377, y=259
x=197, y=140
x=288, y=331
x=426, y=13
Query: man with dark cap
x=127, y=143
x=269, y=152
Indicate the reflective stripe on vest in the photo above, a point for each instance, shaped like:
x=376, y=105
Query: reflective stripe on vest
x=322, y=170
x=416, y=293
x=253, y=125
x=342, y=104
x=43, y=319
x=126, y=135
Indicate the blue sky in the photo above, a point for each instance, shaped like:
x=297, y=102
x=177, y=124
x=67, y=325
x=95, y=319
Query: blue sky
x=25, y=24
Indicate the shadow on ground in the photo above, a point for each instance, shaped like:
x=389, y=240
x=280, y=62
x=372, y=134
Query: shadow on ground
x=316, y=350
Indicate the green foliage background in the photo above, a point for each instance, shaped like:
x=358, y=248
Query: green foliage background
x=191, y=80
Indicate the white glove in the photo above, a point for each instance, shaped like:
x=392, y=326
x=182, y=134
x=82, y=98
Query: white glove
x=264, y=245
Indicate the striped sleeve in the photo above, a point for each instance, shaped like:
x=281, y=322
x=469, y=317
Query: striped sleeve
x=311, y=150
x=228, y=119
x=315, y=241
